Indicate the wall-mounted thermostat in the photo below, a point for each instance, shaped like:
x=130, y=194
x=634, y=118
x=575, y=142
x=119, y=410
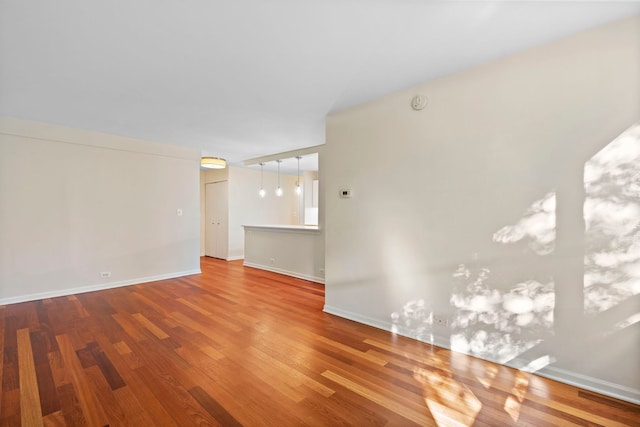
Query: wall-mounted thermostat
x=345, y=193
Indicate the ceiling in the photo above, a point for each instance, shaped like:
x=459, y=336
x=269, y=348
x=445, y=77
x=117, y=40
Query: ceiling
x=247, y=78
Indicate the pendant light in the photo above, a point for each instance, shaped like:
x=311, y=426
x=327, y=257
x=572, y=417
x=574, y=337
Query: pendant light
x=262, y=192
x=298, y=188
x=279, y=189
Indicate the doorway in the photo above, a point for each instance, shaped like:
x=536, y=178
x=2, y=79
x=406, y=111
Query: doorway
x=216, y=241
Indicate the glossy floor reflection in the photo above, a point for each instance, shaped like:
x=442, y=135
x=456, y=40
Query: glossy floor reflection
x=239, y=346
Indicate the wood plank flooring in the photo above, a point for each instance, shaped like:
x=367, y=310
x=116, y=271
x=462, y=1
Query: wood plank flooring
x=239, y=346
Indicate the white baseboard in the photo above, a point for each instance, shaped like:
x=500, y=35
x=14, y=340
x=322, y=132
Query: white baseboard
x=370, y=321
x=286, y=272
x=91, y=288
x=437, y=340
x=596, y=385
x=235, y=258
x=606, y=388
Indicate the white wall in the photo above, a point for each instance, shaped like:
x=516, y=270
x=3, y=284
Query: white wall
x=247, y=207
x=75, y=203
x=294, y=252
x=310, y=212
x=454, y=211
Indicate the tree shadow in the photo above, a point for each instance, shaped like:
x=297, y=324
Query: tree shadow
x=584, y=239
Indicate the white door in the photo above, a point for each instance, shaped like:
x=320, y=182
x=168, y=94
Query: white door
x=216, y=229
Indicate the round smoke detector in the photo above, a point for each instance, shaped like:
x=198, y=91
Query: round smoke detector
x=418, y=102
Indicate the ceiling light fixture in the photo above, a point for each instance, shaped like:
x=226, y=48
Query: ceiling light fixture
x=262, y=192
x=279, y=189
x=298, y=188
x=213, y=163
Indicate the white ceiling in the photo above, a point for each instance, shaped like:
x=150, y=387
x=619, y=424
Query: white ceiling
x=247, y=78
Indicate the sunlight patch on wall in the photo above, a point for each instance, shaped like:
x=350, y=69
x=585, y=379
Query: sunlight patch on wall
x=634, y=318
x=497, y=320
x=612, y=223
x=539, y=363
x=499, y=325
x=415, y=321
x=537, y=227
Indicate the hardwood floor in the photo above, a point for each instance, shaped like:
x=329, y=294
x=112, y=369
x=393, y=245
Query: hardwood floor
x=240, y=346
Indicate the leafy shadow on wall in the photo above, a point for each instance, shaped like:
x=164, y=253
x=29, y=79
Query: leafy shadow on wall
x=523, y=324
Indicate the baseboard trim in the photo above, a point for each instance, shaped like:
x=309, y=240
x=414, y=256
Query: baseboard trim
x=285, y=272
x=92, y=288
x=585, y=382
x=370, y=321
x=596, y=385
x=437, y=340
x=235, y=258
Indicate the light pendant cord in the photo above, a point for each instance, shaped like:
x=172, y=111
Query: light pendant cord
x=262, y=192
x=279, y=189
x=298, y=188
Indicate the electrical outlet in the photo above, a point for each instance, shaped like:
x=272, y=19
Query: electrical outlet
x=440, y=320
x=345, y=193
x=105, y=274
x=272, y=260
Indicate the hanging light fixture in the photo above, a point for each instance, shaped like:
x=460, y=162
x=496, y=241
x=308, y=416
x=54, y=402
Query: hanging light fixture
x=262, y=192
x=213, y=163
x=279, y=189
x=298, y=188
